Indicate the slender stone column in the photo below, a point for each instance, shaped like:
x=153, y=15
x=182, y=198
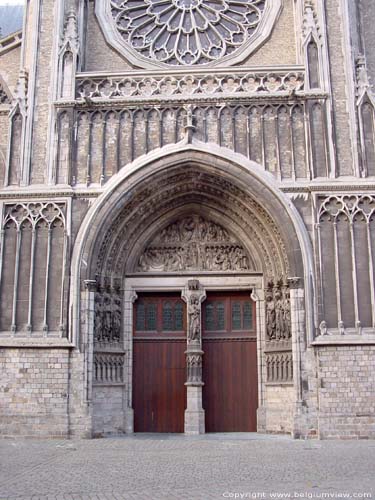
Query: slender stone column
x=194, y=295
x=297, y=310
x=130, y=297
x=89, y=297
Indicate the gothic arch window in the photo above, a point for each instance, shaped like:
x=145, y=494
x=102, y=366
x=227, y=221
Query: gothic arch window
x=186, y=32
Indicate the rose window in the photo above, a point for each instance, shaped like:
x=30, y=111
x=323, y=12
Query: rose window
x=187, y=32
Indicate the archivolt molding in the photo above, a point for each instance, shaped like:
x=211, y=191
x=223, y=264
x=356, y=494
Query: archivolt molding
x=178, y=190
x=246, y=175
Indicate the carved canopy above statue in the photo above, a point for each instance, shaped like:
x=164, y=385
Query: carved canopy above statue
x=186, y=32
x=194, y=243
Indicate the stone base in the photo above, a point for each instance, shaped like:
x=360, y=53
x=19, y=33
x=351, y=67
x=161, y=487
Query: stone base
x=194, y=422
x=129, y=420
x=194, y=413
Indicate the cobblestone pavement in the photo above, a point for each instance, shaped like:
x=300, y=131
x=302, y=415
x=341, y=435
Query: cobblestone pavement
x=214, y=466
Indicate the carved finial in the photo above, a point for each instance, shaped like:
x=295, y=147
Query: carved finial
x=4, y=97
x=359, y=327
x=189, y=124
x=341, y=328
x=91, y=285
x=323, y=328
x=71, y=37
x=363, y=79
x=21, y=91
x=310, y=21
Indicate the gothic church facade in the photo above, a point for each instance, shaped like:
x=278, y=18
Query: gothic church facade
x=187, y=209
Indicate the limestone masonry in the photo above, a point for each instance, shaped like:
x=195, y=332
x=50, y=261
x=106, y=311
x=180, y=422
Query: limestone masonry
x=187, y=208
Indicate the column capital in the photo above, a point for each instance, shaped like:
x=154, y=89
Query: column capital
x=295, y=282
x=91, y=285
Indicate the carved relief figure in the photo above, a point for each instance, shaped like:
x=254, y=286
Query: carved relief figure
x=278, y=316
x=194, y=243
x=116, y=318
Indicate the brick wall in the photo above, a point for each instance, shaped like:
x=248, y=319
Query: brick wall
x=346, y=391
x=279, y=411
x=34, y=392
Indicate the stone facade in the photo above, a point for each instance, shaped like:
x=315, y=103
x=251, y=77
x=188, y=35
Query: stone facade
x=232, y=155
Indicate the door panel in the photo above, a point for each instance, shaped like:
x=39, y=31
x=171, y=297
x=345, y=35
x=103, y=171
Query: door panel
x=230, y=393
x=158, y=386
x=159, y=367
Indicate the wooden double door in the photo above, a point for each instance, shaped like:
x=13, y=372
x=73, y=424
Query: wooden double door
x=229, y=363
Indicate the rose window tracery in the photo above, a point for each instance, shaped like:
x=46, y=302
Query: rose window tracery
x=187, y=32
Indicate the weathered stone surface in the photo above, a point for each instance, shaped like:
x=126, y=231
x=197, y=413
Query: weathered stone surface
x=252, y=171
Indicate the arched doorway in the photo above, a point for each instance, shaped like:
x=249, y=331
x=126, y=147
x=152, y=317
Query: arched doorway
x=132, y=244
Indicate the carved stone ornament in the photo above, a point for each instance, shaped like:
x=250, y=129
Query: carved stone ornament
x=186, y=32
x=278, y=316
x=107, y=322
x=194, y=243
x=4, y=98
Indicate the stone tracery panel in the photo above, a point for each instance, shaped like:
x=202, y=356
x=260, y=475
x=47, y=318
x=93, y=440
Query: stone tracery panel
x=34, y=248
x=186, y=32
x=346, y=235
x=272, y=135
x=194, y=243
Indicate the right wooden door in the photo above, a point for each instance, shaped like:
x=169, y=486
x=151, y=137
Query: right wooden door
x=230, y=392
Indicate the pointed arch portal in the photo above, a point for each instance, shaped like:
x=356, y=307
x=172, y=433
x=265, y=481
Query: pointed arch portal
x=190, y=220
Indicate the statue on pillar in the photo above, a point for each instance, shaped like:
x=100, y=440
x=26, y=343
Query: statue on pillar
x=194, y=332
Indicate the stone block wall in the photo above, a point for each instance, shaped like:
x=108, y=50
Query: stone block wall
x=346, y=391
x=279, y=412
x=108, y=413
x=34, y=387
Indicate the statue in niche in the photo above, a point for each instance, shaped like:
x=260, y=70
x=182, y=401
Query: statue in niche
x=107, y=316
x=194, y=318
x=270, y=316
x=98, y=323
x=116, y=318
x=279, y=315
x=287, y=331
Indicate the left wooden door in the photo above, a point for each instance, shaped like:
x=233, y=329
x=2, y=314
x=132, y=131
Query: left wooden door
x=159, y=367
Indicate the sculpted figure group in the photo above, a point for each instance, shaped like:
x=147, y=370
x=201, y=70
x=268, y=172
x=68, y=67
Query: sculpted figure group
x=194, y=243
x=107, y=322
x=278, y=320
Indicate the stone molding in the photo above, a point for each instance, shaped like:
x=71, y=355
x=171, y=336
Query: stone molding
x=171, y=85
x=10, y=42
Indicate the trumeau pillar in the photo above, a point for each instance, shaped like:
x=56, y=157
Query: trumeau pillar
x=194, y=295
